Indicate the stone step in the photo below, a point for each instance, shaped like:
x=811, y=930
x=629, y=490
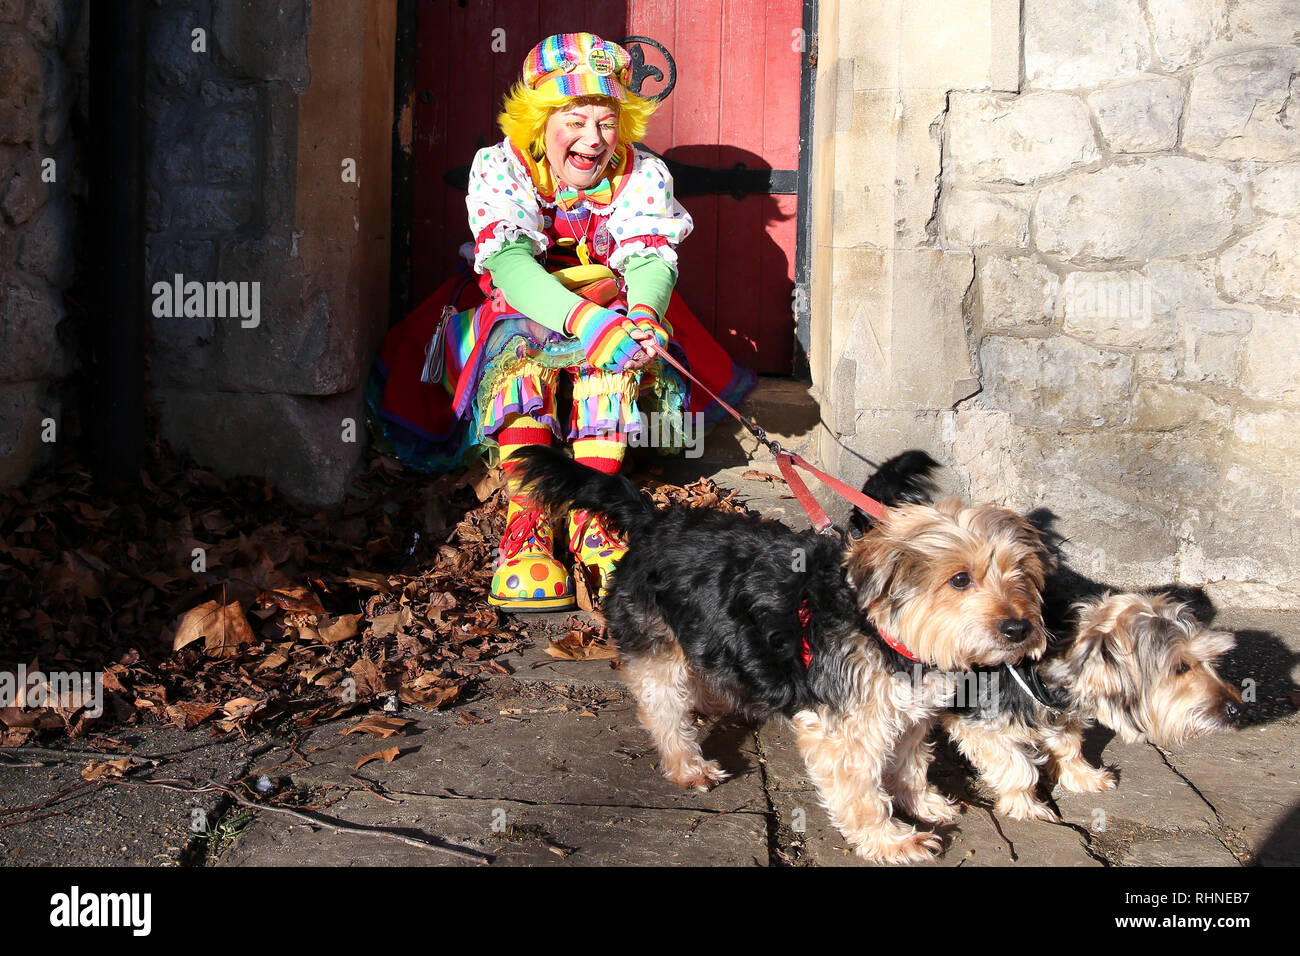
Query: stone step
x=783, y=407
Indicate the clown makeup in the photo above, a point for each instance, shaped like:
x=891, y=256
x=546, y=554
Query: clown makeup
x=580, y=141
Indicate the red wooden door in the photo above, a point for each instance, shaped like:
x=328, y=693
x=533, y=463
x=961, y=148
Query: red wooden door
x=735, y=101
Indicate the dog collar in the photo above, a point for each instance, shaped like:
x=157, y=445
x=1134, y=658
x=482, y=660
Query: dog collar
x=1033, y=685
x=892, y=642
x=806, y=654
x=897, y=645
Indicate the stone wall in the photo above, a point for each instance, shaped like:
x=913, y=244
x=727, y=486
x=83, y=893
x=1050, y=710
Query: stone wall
x=890, y=350
x=252, y=125
x=42, y=74
x=1110, y=251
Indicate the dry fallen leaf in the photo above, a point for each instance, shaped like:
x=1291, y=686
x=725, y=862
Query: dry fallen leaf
x=192, y=626
x=755, y=475
x=429, y=690
x=382, y=625
x=485, y=484
x=368, y=580
x=387, y=756
x=427, y=638
x=97, y=770
x=575, y=647
x=297, y=599
x=223, y=629
x=340, y=629
x=188, y=715
x=377, y=726
x=242, y=707
x=272, y=661
x=583, y=591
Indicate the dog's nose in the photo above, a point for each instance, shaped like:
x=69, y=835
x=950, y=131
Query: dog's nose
x=1231, y=710
x=1014, y=629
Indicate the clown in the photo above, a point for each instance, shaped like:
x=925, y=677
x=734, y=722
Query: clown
x=575, y=234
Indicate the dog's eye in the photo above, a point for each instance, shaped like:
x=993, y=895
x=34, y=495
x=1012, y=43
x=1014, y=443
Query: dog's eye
x=1182, y=668
x=960, y=580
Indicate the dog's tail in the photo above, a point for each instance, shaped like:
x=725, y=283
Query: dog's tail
x=557, y=483
x=903, y=478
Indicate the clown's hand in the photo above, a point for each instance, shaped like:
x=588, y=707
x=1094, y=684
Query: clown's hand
x=604, y=337
x=645, y=319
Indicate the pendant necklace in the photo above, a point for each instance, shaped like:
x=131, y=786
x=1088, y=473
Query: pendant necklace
x=579, y=238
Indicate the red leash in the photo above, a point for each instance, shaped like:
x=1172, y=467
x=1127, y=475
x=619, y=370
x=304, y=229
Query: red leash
x=787, y=461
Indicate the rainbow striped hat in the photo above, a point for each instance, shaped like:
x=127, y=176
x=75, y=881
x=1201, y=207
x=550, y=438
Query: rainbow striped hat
x=582, y=64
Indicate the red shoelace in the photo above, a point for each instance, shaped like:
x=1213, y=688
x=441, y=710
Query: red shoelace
x=523, y=526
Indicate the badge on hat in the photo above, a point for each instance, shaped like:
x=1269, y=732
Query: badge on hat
x=601, y=61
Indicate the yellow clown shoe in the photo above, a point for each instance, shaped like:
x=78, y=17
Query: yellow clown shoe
x=528, y=578
x=595, y=545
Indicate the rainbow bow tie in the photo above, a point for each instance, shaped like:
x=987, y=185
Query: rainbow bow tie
x=602, y=194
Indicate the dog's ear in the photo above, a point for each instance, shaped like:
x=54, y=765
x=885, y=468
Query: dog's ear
x=871, y=563
x=1209, y=646
x=1105, y=636
x=1042, y=558
x=1094, y=664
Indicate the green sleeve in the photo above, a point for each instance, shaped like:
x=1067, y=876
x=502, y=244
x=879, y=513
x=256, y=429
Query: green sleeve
x=530, y=288
x=650, y=281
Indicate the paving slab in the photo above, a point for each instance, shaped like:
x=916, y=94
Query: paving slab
x=1180, y=848
x=530, y=750
x=513, y=834
x=1150, y=792
x=532, y=665
x=1252, y=780
x=787, y=411
x=548, y=766
x=977, y=838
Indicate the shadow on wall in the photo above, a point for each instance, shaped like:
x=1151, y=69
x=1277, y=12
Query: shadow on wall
x=736, y=266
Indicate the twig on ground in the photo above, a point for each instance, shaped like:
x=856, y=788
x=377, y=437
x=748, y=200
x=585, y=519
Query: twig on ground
x=369, y=787
x=46, y=802
x=210, y=786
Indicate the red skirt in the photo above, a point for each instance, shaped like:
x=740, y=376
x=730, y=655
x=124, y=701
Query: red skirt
x=417, y=422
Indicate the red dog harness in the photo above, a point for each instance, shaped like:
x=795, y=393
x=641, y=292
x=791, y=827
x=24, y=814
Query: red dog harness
x=805, y=618
x=806, y=654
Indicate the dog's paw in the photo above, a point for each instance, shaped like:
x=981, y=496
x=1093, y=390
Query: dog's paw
x=1024, y=806
x=934, y=807
x=912, y=846
x=1086, y=779
x=702, y=777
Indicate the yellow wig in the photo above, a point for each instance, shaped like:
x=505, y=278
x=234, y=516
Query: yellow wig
x=527, y=110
